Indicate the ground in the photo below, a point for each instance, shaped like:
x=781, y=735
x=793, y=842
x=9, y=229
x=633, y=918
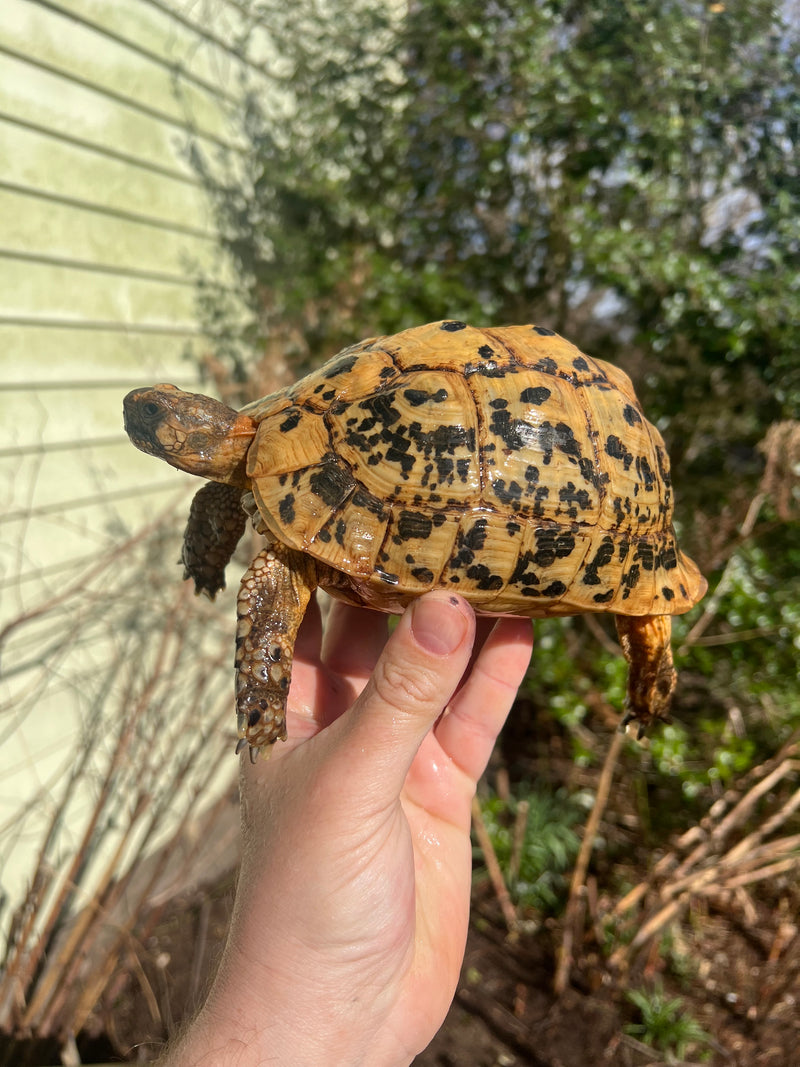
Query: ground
x=505, y=1013
x=733, y=956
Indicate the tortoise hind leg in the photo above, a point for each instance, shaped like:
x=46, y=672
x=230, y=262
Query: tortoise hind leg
x=272, y=601
x=646, y=646
x=214, y=528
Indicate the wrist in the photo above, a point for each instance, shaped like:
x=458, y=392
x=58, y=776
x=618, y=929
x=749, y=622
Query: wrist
x=252, y=1025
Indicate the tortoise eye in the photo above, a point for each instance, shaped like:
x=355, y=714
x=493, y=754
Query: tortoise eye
x=151, y=409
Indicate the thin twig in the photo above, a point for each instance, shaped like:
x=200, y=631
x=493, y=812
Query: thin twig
x=518, y=840
x=726, y=579
x=493, y=867
x=582, y=863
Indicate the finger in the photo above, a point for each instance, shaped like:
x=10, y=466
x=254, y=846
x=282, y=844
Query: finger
x=414, y=678
x=354, y=638
x=309, y=636
x=467, y=733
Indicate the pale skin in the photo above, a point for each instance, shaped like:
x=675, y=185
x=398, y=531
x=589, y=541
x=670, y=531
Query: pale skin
x=352, y=904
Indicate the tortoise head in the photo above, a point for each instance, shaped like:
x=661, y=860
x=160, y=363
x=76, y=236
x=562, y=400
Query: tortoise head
x=191, y=432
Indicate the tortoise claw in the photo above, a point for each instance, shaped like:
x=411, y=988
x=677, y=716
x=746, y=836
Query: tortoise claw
x=253, y=750
x=630, y=717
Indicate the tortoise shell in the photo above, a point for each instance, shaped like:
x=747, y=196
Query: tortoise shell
x=502, y=463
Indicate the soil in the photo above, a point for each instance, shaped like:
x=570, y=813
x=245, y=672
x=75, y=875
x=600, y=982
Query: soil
x=505, y=1013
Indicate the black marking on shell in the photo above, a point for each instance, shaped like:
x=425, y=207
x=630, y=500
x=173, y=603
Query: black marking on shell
x=535, y=394
x=645, y=555
x=422, y=574
x=390, y=579
x=475, y=537
x=631, y=415
x=552, y=544
x=369, y=502
x=286, y=509
x=668, y=558
x=603, y=556
x=646, y=473
x=543, y=331
x=332, y=484
x=554, y=589
x=416, y=397
x=453, y=326
x=579, y=363
x=510, y=494
x=667, y=592
x=290, y=421
x=413, y=524
x=574, y=499
x=483, y=577
x=617, y=450
x=341, y=364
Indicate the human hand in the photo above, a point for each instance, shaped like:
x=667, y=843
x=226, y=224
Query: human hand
x=352, y=904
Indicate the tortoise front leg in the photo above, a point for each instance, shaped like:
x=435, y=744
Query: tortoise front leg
x=646, y=646
x=215, y=527
x=272, y=600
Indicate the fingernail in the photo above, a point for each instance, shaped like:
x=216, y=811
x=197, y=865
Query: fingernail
x=439, y=624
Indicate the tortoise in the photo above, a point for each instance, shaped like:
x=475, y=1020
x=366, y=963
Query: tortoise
x=502, y=463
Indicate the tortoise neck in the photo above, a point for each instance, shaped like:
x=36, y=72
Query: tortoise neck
x=230, y=458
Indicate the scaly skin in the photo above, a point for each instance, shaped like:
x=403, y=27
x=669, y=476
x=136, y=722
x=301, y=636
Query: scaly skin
x=215, y=527
x=645, y=641
x=191, y=432
x=272, y=601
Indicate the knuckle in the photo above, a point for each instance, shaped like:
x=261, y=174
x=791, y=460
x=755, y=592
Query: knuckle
x=403, y=687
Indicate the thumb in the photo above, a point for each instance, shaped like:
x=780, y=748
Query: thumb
x=417, y=673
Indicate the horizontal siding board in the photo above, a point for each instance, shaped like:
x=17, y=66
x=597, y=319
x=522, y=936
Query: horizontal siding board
x=63, y=293
x=156, y=37
x=33, y=160
x=36, y=223
x=102, y=225
x=49, y=100
x=38, y=33
x=31, y=353
x=112, y=269
x=98, y=148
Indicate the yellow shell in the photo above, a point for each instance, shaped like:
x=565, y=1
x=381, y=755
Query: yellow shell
x=501, y=463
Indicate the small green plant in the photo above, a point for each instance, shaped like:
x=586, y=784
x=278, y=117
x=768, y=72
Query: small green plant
x=535, y=844
x=666, y=1025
